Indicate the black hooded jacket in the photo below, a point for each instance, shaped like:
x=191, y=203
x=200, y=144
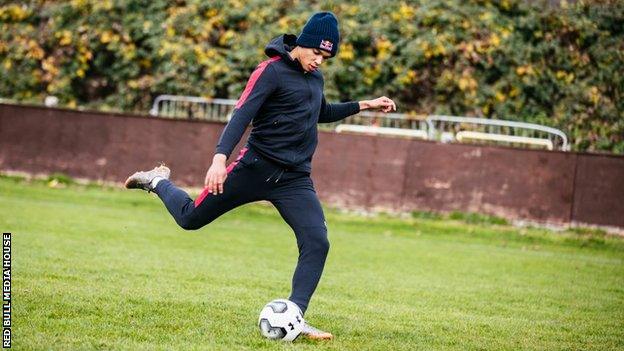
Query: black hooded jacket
x=285, y=103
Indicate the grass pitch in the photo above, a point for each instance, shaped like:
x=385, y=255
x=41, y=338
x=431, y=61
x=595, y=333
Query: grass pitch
x=103, y=268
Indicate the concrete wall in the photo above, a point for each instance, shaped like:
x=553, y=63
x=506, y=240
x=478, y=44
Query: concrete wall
x=355, y=171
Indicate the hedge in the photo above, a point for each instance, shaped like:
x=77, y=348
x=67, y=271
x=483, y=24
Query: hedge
x=560, y=66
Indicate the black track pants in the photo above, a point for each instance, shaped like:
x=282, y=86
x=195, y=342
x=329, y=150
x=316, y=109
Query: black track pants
x=252, y=178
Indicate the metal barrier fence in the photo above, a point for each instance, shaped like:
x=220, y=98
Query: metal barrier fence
x=192, y=107
x=433, y=127
x=452, y=128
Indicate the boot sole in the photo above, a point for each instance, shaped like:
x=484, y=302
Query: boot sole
x=326, y=336
x=132, y=184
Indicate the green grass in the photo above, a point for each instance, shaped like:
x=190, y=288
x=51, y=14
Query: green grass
x=103, y=268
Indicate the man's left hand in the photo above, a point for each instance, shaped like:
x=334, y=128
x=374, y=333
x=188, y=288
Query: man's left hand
x=383, y=103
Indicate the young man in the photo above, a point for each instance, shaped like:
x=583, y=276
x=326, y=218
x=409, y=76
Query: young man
x=284, y=100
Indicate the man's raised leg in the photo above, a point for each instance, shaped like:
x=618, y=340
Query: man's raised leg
x=193, y=214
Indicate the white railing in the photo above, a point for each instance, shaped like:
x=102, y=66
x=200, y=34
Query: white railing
x=178, y=106
x=384, y=120
x=513, y=139
x=453, y=128
x=433, y=127
x=373, y=130
x=193, y=107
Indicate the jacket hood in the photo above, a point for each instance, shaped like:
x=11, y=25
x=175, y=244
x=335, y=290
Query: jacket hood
x=281, y=46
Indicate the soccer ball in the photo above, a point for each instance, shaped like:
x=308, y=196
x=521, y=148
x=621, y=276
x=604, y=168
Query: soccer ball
x=281, y=319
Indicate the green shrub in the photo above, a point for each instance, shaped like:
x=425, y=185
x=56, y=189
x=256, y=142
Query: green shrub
x=477, y=218
x=59, y=178
x=508, y=59
x=426, y=215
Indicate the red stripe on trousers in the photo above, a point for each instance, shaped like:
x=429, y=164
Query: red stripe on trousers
x=253, y=79
x=229, y=169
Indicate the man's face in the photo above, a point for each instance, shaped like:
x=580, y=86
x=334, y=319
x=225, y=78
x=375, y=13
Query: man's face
x=311, y=58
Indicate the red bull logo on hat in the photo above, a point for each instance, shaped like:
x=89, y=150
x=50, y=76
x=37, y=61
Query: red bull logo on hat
x=326, y=45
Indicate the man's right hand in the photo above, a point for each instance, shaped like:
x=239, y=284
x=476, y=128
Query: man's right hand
x=216, y=175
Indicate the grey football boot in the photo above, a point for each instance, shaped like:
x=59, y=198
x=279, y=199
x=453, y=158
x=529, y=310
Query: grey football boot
x=143, y=179
x=313, y=333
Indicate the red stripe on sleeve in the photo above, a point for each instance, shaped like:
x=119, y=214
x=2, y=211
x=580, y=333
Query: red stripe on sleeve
x=252, y=80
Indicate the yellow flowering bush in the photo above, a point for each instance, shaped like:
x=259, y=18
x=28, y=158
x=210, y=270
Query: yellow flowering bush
x=555, y=65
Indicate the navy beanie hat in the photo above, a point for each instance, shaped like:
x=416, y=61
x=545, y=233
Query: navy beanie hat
x=321, y=32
